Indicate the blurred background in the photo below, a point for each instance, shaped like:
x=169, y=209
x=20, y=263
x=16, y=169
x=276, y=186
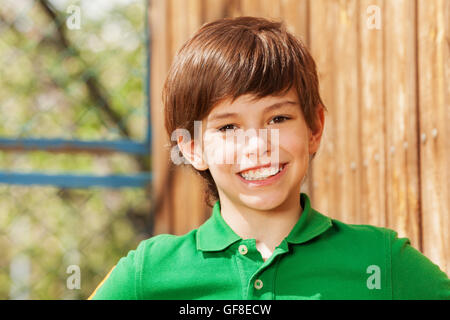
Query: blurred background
x=85, y=170
x=74, y=143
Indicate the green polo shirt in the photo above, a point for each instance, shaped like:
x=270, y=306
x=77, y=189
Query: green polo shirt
x=321, y=258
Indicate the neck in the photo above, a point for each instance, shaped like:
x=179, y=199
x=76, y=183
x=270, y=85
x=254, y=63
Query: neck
x=267, y=227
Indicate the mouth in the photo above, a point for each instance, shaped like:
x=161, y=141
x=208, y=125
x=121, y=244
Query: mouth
x=262, y=175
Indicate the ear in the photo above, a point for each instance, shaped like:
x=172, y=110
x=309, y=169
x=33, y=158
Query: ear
x=316, y=136
x=192, y=152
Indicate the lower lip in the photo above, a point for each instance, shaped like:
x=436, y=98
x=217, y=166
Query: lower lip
x=265, y=182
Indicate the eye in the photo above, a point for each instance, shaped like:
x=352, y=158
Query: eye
x=280, y=117
x=225, y=127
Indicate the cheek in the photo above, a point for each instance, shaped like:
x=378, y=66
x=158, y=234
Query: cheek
x=295, y=147
x=221, y=173
x=218, y=150
x=294, y=142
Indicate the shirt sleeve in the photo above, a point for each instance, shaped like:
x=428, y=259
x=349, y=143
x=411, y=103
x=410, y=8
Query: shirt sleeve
x=121, y=283
x=414, y=276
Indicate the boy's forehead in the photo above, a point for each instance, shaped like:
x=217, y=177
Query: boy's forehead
x=231, y=106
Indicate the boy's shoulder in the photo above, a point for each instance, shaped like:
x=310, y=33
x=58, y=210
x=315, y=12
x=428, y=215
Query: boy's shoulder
x=167, y=244
x=362, y=231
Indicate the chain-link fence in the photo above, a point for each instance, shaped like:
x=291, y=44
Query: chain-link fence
x=72, y=72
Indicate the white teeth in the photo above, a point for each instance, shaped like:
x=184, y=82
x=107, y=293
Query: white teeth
x=261, y=173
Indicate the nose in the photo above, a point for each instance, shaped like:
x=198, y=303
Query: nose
x=256, y=151
x=256, y=142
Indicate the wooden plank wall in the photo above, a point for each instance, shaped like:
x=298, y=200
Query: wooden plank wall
x=384, y=158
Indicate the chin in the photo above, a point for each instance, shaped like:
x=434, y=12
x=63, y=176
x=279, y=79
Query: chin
x=262, y=202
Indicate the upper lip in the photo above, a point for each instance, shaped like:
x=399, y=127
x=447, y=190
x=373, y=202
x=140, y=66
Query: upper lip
x=276, y=165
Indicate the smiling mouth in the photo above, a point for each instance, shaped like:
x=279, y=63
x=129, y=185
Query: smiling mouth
x=261, y=174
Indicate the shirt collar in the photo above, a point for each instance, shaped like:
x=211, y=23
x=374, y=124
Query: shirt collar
x=215, y=234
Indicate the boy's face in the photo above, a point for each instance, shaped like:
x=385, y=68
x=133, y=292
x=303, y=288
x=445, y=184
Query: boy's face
x=238, y=142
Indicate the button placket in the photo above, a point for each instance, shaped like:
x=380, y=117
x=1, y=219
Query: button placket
x=261, y=282
x=248, y=263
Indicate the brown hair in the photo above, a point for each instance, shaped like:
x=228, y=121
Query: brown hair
x=228, y=58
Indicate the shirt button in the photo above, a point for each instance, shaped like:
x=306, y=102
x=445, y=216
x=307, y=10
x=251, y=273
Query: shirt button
x=243, y=249
x=258, y=284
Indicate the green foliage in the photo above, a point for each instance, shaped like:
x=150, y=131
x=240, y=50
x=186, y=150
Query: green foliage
x=73, y=84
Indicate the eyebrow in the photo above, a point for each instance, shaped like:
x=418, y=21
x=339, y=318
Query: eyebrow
x=277, y=105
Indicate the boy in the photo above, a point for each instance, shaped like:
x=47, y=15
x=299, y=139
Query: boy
x=263, y=240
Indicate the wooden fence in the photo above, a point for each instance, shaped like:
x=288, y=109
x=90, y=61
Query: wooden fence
x=384, y=70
